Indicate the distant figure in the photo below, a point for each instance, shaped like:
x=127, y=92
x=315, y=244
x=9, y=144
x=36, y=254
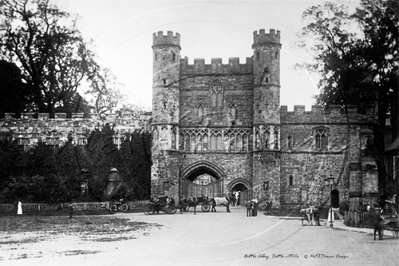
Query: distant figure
x=377, y=223
x=255, y=207
x=228, y=204
x=248, y=205
x=213, y=205
x=70, y=210
x=19, y=211
x=317, y=215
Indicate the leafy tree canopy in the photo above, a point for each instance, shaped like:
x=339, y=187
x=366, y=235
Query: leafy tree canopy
x=54, y=59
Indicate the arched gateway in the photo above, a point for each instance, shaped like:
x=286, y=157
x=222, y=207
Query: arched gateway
x=202, y=178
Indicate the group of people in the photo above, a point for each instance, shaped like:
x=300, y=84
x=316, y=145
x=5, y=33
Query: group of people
x=252, y=207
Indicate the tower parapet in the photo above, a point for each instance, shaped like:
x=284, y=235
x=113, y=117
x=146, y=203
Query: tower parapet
x=166, y=40
x=217, y=67
x=263, y=38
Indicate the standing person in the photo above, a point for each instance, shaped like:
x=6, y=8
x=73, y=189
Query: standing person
x=194, y=202
x=70, y=210
x=19, y=210
x=317, y=215
x=182, y=204
x=377, y=223
x=228, y=204
x=213, y=205
x=248, y=205
x=255, y=207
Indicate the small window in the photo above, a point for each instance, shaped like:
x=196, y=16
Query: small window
x=164, y=81
x=156, y=57
x=173, y=56
x=276, y=55
x=291, y=180
x=289, y=142
x=321, y=138
x=257, y=55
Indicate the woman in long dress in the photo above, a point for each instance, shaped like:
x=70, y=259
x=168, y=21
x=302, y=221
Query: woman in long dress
x=19, y=211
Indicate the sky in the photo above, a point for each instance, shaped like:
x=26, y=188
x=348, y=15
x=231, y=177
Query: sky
x=122, y=33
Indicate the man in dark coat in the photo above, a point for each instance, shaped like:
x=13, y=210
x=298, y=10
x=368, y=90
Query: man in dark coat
x=213, y=205
x=376, y=221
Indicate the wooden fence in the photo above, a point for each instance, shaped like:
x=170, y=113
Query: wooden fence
x=357, y=219
x=39, y=207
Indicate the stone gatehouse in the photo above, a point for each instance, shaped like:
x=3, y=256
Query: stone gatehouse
x=219, y=128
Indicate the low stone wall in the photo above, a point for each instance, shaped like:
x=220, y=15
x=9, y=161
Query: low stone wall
x=42, y=207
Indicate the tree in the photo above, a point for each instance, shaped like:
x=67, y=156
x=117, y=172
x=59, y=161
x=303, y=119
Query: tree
x=45, y=43
x=14, y=93
x=357, y=57
x=104, y=90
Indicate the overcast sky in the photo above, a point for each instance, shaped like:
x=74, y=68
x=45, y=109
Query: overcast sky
x=122, y=31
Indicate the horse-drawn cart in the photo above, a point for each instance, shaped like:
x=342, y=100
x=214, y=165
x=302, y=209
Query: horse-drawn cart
x=205, y=204
x=159, y=205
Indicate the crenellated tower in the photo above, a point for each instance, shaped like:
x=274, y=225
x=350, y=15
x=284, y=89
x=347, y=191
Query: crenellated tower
x=165, y=103
x=266, y=119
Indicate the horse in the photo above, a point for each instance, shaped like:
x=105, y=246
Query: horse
x=193, y=202
x=308, y=214
x=222, y=200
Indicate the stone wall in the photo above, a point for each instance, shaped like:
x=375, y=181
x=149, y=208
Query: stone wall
x=57, y=130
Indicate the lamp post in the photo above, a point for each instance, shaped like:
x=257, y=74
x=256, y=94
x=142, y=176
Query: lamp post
x=331, y=183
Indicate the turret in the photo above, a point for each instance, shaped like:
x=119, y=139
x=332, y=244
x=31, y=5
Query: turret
x=266, y=75
x=166, y=75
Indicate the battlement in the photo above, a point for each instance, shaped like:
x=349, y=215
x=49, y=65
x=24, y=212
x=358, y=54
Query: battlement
x=74, y=117
x=331, y=114
x=263, y=38
x=159, y=39
x=216, y=66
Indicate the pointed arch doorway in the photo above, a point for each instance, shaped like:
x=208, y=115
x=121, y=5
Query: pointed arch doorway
x=202, y=179
x=244, y=187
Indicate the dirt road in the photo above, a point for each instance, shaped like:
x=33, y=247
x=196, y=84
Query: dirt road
x=216, y=239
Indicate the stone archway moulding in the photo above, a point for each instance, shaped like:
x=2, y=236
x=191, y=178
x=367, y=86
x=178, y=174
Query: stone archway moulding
x=203, y=164
x=239, y=181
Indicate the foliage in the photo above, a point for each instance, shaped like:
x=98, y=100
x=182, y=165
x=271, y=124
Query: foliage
x=14, y=93
x=356, y=54
x=54, y=59
x=45, y=174
x=105, y=92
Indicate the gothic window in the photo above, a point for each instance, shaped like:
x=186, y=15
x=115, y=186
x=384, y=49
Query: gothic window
x=187, y=142
x=289, y=142
x=233, y=112
x=238, y=142
x=257, y=55
x=193, y=143
x=321, y=137
x=290, y=180
x=276, y=138
x=200, y=113
x=216, y=94
x=245, y=142
x=219, y=143
x=205, y=143
x=267, y=140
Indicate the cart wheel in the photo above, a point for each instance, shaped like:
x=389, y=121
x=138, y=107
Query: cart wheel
x=147, y=210
x=124, y=207
x=114, y=208
x=205, y=207
x=172, y=209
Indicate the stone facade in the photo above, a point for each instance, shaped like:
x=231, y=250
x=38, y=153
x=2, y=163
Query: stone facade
x=57, y=130
x=225, y=122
